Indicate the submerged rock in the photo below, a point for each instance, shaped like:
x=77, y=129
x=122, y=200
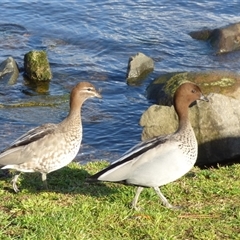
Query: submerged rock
x=203, y=34
x=37, y=67
x=216, y=125
x=225, y=39
x=11, y=28
x=9, y=71
x=139, y=66
x=13, y=36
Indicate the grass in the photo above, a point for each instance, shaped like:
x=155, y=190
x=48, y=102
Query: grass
x=73, y=209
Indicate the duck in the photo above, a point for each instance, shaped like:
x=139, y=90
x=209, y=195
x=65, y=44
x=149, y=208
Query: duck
x=49, y=147
x=161, y=160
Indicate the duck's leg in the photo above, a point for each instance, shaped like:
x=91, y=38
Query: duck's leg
x=135, y=200
x=44, y=179
x=164, y=200
x=14, y=182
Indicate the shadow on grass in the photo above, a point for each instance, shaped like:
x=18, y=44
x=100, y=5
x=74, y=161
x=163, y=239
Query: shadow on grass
x=66, y=180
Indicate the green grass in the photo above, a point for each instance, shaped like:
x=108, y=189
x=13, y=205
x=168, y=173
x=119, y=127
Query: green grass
x=73, y=209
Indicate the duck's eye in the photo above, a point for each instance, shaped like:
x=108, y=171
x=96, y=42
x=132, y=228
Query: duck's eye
x=193, y=90
x=89, y=89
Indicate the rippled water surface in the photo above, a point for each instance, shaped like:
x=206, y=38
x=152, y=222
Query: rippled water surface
x=93, y=40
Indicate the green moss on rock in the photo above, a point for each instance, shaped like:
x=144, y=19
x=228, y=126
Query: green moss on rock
x=174, y=82
x=37, y=67
x=162, y=88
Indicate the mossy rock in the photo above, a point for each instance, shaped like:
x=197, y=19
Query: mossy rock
x=37, y=67
x=161, y=90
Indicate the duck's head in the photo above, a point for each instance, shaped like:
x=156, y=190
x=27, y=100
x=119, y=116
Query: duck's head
x=188, y=93
x=81, y=92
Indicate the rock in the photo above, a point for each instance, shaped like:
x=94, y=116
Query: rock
x=11, y=28
x=13, y=36
x=215, y=123
x=158, y=120
x=162, y=88
x=225, y=39
x=37, y=67
x=139, y=66
x=201, y=35
x=9, y=71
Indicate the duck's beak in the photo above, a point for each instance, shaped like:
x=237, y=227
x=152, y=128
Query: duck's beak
x=97, y=93
x=204, y=98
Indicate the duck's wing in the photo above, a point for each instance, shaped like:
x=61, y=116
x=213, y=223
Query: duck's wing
x=142, y=147
x=129, y=158
x=32, y=135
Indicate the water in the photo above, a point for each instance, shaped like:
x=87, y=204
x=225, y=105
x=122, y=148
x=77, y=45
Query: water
x=93, y=40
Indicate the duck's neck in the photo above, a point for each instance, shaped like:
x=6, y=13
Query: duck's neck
x=75, y=106
x=73, y=121
x=74, y=115
x=182, y=112
x=76, y=112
